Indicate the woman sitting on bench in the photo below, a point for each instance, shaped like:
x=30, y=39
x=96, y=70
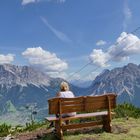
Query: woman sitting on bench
x=66, y=93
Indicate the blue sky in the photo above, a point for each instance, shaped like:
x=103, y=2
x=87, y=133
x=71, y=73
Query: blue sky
x=61, y=36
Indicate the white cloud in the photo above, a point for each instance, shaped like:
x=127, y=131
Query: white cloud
x=127, y=14
x=58, y=74
x=100, y=43
x=44, y=59
x=78, y=79
x=25, y=2
x=58, y=1
x=99, y=58
x=60, y=35
x=61, y=1
x=126, y=45
x=91, y=76
x=6, y=59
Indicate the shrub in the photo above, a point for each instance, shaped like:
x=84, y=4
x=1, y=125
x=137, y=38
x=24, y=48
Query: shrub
x=4, y=129
x=127, y=110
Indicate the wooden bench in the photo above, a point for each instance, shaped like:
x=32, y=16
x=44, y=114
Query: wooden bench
x=96, y=106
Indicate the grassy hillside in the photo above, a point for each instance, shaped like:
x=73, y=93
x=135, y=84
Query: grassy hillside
x=125, y=126
x=122, y=129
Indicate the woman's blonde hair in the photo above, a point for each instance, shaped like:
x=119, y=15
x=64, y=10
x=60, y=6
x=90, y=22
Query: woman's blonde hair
x=64, y=86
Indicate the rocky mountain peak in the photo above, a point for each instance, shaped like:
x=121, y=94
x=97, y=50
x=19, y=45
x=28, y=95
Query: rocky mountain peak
x=122, y=80
x=11, y=75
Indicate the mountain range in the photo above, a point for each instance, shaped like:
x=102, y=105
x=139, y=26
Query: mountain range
x=124, y=81
x=24, y=89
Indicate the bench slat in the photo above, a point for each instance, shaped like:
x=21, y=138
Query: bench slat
x=99, y=98
x=97, y=105
x=81, y=125
x=79, y=116
x=68, y=109
x=80, y=98
x=72, y=102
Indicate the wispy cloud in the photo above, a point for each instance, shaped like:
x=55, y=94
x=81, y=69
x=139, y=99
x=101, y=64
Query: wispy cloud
x=26, y=2
x=60, y=35
x=58, y=1
x=61, y=1
x=100, y=43
x=127, y=14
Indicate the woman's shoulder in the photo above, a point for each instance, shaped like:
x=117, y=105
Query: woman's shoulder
x=71, y=93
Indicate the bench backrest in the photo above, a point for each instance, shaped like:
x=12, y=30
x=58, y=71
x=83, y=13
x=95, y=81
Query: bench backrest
x=82, y=104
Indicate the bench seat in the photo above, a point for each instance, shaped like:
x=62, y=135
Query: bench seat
x=80, y=116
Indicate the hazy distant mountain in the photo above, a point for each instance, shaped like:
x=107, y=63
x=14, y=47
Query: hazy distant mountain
x=81, y=83
x=125, y=82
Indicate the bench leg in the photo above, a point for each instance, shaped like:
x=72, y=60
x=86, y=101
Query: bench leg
x=59, y=131
x=61, y=134
x=106, y=124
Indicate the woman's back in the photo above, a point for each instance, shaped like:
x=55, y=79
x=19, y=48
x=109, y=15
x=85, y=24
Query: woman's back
x=66, y=94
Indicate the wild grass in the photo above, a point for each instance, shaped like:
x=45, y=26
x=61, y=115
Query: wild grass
x=6, y=129
x=122, y=129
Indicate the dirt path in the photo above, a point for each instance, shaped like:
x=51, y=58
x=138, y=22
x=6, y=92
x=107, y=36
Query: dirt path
x=34, y=135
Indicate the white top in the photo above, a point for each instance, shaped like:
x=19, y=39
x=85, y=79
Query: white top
x=67, y=94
